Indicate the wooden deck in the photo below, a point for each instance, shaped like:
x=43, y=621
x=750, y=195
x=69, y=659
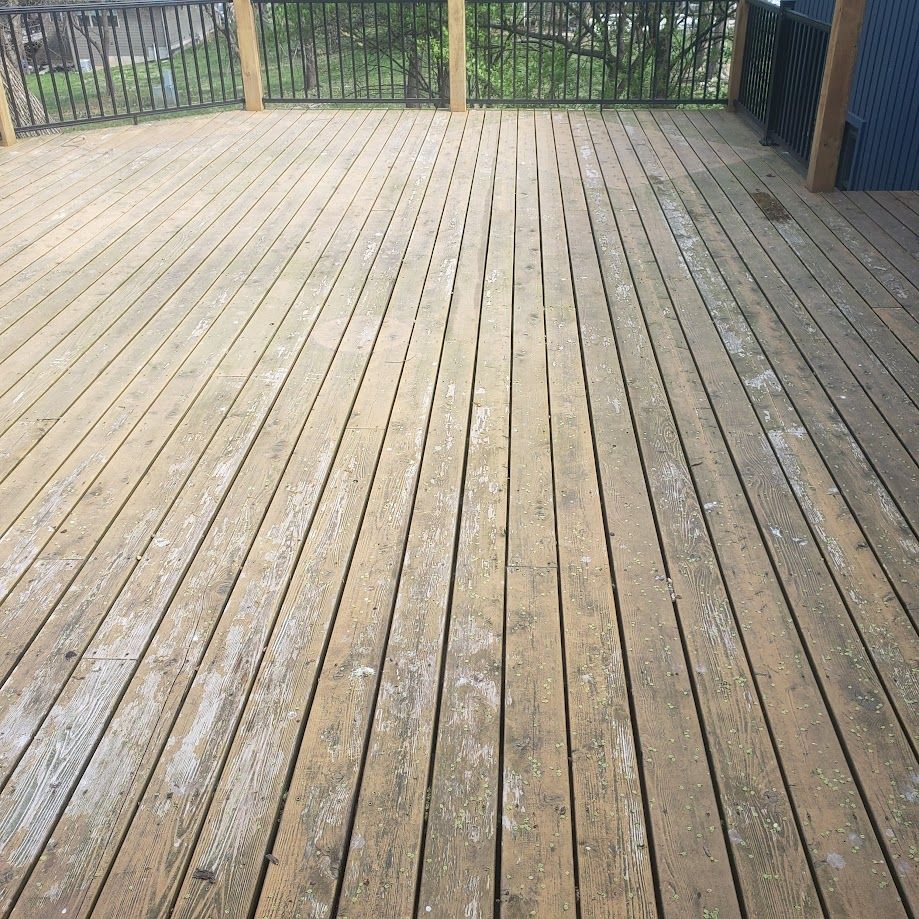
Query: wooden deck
x=406, y=513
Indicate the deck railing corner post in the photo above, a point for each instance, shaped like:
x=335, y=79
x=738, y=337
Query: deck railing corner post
x=838, y=74
x=249, y=61
x=737, y=54
x=456, y=36
x=7, y=129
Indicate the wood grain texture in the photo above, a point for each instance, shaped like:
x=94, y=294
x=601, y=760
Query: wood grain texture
x=455, y=514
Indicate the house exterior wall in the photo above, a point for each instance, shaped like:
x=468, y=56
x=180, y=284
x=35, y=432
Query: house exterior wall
x=884, y=102
x=143, y=30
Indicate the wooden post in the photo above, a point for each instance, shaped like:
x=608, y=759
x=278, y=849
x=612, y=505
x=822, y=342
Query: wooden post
x=456, y=31
x=248, y=55
x=834, y=94
x=7, y=131
x=740, y=44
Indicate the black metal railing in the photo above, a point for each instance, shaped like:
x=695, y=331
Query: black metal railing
x=585, y=52
x=782, y=72
x=340, y=52
x=70, y=64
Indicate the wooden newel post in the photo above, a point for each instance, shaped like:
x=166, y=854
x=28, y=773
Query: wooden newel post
x=7, y=131
x=737, y=53
x=841, y=53
x=248, y=55
x=456, y=31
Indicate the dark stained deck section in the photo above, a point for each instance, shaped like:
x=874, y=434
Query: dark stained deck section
x=407, y=513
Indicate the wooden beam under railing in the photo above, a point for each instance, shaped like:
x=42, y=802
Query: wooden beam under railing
x=838, y=72
x=737, y=53
x=248, y=55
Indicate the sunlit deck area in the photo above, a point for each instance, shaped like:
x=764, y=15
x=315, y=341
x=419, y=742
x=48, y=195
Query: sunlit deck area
x=406, y=513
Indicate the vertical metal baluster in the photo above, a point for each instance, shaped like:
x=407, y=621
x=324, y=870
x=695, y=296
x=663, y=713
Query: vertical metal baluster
x=194, y=55
x=724, y=41
x=809, y=52
x=290, y=52
x=694, y=69
x=604, y=73
x=392, y=75
x=400, y=6
x=645, y=40
x=172, y=66
x=115, y=17
x=328, y=49
x=413, y=12
x=312, y=17
x=628, y=76
x=231, y=65
x=786, y=119
x=207, y=53
x=355, y=83
x=515, y=42
x=143, y=42
x=157, y=56
x=87, y=23
x=619, y=29
x=182, y=53
x=154, y=23
x=264, y=41
x=641, y=57
x=671, y=16
x=61, y=49
x=68, y=26
x=681, y=89
x=501, y=59
x=277, y=49
x=591, y=47
x=527, y=54
x=299, y=8
x=789, y=108
x=428, y=50
x=376, y=26
x=774, y=82
x=708, y=51
x=363, y=25
x=45, y=45
x=102, y=25
x=127, y=32
x=341, y=57
x=756, y=69
x=537, y=91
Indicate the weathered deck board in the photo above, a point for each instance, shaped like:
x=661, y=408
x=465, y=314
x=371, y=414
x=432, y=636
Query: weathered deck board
x=413, y=513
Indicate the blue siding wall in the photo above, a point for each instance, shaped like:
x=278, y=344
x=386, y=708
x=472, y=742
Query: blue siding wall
x=884, y=103
x=816, y=9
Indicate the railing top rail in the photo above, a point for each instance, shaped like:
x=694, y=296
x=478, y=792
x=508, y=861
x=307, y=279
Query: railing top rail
x=789, y=12
x=817, y=24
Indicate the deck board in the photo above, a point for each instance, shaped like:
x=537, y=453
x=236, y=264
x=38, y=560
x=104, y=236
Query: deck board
x=413, y=513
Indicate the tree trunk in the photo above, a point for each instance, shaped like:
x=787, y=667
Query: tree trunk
x=662, y=34
x=413, y=79
x=310, y=71
x=106, y=63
